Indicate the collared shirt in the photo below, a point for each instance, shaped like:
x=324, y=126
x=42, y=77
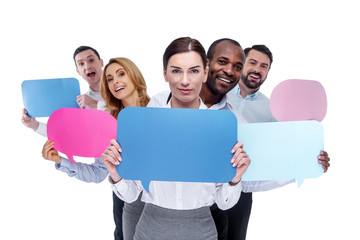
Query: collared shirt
x=248, y=108
x=254, y=108
x=161, y=98
x=96, y=96
x=180, y=195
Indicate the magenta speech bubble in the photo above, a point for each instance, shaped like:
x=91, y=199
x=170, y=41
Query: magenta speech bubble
x=81, y=132
x=298, y=100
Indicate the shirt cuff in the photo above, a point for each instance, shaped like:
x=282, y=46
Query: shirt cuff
x=42, y=129
x=65, y=164
x=237, y=187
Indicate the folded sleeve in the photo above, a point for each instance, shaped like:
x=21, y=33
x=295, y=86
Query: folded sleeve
x=42, y=129
x=126, y=190
x=95, y=172
x=227, y=196
x=259, y=186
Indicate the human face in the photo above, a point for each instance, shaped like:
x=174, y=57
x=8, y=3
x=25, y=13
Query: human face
x=225, y=68
x=185, y=74
x=89, y=67
x=120, y=84
x=257, y=66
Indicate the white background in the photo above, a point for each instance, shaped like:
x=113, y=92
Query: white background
x=316, y=40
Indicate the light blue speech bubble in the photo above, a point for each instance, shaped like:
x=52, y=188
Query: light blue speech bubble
x=172, y=144
x=42, y=97
x=282, y=150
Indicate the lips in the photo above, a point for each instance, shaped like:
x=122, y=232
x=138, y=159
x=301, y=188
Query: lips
x=254, y=75
x=91, y=75
x=225, y=79
x=185, y=90
x=119, y=88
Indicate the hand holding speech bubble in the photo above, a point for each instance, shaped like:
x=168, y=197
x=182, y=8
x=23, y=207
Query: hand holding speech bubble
x=172, y=144
x=297, y=100
x=282, y=150
x=42, y=97
x=81, y=132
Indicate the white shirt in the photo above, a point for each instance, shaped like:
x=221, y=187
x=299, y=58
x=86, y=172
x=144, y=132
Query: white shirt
x=180, y=195
x=230, y=102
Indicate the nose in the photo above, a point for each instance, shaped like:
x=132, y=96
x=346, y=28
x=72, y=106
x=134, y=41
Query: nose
x=185, y=80
x=256, y=68
x=86, y=64
x=116, y=80
x=228, y=69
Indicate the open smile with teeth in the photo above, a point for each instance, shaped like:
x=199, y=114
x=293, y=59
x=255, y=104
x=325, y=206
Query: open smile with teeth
x=254, y=75
x=119, y=88
x=225, y=80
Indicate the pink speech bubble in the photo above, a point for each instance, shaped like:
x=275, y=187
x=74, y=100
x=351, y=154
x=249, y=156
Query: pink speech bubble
x=81, y=132
x=297, y=100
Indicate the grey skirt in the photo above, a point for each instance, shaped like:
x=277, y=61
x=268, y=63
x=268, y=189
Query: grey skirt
x=130, y=217
x=164, y=224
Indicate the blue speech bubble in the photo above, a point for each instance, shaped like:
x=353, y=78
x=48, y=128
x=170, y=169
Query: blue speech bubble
x=172, y=144
x=42, y=97
x=282, y=150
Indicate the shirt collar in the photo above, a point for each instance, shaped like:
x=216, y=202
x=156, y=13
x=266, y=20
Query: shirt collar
x=91, y=92
x=202, y=105
x=248, y=97
x=221, y=104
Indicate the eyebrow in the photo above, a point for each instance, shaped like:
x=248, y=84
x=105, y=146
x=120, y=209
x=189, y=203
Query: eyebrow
x=89, y=56
x=197, y=66
x=119, y=69
x=251, y=59
x=225, y=58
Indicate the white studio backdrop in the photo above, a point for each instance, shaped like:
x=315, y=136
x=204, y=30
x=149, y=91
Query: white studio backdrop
x=315, y=40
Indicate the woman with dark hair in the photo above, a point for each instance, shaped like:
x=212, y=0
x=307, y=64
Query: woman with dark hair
x=179, y=210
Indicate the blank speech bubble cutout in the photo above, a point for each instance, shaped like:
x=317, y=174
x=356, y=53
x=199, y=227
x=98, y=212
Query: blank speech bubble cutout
x=81, y=132
x=297, y=100
x=172, y=144
x=42, y=97
x=282, y=150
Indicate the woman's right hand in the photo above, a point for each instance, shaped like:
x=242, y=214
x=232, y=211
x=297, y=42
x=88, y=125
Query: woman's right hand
x=49, y=153
x=111, y=157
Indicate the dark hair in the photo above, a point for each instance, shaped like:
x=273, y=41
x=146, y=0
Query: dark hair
x=260, y=48
x=211, y=50
x=84, y=48
x=181, y=45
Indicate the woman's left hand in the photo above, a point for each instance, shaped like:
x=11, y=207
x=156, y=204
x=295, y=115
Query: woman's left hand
x=240, y=160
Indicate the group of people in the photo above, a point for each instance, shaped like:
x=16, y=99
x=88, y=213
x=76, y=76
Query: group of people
x=225, y=78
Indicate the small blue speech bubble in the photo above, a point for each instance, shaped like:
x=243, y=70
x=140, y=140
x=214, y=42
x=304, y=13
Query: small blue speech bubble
x=42, y=97
x=173, y=144
x=282, y=150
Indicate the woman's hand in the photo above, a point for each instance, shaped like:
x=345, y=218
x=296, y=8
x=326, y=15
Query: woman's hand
x=49, y=153
x=111, y=157
x=240, y=160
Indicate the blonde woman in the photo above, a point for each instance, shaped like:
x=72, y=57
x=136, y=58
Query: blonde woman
x=122, y=85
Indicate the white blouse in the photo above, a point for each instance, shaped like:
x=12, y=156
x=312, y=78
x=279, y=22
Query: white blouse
x=180, y=195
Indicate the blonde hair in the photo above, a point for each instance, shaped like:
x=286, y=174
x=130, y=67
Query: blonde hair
x=114, y=105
